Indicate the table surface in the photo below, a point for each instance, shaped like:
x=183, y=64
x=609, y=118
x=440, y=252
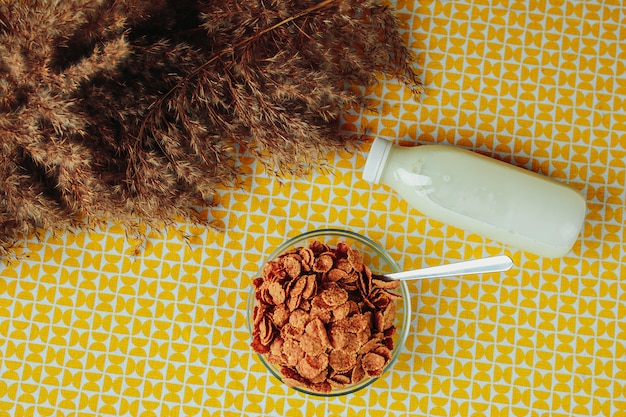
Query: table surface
x=98, y=323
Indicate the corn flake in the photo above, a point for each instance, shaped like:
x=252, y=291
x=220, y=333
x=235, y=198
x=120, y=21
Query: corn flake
x=322, y=318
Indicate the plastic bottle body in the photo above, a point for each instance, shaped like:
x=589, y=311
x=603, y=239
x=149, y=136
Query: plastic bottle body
x=488, y=197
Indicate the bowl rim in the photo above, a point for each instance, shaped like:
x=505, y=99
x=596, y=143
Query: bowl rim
x=405, y=323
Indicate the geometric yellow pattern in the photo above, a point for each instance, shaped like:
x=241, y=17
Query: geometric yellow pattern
x=98, y=323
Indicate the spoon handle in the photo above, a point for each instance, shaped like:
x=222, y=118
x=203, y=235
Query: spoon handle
x=474, y=266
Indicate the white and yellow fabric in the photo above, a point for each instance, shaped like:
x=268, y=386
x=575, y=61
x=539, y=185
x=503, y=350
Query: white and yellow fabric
x=96, y=324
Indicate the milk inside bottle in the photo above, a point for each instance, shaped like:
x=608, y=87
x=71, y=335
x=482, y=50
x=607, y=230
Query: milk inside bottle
x=482, y=195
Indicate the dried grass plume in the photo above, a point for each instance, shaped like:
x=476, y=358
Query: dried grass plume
x=131, y=110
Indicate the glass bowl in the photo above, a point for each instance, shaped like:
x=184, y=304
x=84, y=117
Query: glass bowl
x=380, y=263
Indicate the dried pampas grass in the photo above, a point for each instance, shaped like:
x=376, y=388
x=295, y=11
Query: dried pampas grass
x=131, y=110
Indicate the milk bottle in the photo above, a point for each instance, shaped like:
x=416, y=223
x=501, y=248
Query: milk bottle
x=482, y=195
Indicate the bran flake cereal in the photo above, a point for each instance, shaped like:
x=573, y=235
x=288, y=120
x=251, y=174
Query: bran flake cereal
x=322, y=319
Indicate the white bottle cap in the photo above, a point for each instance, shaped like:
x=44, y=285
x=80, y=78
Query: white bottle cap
x=376, y=160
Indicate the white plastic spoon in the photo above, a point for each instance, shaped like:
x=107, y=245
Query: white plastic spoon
x=474, y=266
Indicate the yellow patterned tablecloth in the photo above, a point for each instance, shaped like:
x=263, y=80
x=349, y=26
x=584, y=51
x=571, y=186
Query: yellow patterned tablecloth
x=95, y=324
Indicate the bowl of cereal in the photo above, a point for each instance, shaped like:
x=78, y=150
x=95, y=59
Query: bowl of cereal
x=321, y=320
